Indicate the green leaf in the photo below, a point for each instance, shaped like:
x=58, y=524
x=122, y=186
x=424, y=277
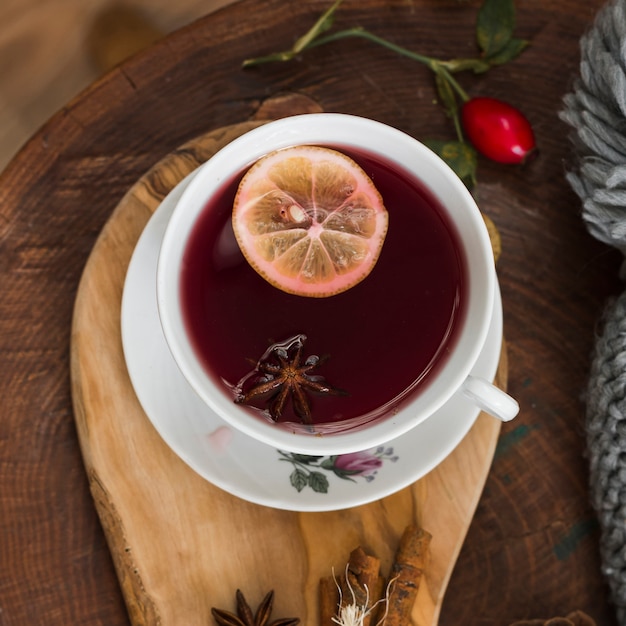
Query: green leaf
x=512, y=49
x=460, y=156
x=329, y=463
x=494, y=25
x=299, y=479
x=307, y=459
x=318, y=482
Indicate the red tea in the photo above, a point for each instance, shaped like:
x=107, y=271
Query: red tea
x=380, y=341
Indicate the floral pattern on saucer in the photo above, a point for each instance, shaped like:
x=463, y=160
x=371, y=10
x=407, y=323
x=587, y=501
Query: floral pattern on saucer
x=306, y=469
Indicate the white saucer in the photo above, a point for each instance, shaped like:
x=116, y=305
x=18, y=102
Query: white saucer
x=255, y=471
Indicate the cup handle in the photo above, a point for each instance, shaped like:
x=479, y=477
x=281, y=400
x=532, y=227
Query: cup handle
x=490, y=398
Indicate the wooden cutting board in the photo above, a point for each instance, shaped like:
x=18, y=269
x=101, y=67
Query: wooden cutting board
x=181, y=545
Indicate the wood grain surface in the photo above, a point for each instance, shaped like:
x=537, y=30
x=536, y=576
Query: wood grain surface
x=532, y=547
x=158, y=514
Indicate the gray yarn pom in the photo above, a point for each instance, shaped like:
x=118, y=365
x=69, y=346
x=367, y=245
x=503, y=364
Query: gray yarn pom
x=606, y=442
x=596, y=111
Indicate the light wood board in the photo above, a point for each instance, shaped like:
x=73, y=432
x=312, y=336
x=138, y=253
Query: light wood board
x=181, y=545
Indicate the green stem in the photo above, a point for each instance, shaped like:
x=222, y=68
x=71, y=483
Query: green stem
x=457, y=127
x=299, y=465
x=460, y=91
x=435, y=65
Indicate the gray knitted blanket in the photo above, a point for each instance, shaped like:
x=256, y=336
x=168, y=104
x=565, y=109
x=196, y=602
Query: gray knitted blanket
x=596, y=111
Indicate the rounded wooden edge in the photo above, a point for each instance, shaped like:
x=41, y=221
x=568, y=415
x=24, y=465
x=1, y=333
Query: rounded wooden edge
x=113, y=250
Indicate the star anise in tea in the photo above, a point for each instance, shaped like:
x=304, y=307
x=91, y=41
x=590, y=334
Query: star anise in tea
x=245, y=616
x=283, y=374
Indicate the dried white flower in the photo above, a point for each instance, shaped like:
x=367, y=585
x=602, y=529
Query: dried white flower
x=353, y=614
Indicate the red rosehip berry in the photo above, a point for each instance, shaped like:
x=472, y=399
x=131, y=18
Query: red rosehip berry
x=498, y=130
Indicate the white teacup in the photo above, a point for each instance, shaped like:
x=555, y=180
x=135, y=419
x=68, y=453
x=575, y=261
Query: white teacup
x=453, y=374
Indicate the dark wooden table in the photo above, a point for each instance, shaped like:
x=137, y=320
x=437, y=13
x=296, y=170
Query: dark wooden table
x=532, y=550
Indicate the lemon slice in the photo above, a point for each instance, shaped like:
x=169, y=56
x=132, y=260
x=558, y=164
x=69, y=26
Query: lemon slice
x=309, y=220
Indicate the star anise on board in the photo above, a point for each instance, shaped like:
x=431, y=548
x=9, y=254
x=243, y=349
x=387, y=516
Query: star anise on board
x=245, y=617
x=282, y=374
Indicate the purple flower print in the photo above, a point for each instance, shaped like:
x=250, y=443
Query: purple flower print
x=361, y=463
x=345, y=466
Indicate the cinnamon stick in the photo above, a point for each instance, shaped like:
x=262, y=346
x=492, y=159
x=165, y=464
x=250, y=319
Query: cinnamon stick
x=328, y=600
x=362, y=584
x=406, y=574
